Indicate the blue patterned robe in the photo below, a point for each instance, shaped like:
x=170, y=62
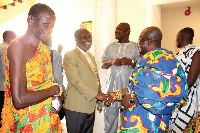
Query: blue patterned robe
x=159, y=84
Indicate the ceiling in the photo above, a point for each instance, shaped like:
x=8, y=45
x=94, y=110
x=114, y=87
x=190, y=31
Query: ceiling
x=166, y=4
x=86, y=6
x=180, y=4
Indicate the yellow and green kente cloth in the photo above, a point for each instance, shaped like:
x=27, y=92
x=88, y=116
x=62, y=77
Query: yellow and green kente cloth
x=36, y=118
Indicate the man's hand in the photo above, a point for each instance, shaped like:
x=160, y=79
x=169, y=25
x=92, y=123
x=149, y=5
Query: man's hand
x=111, y=98
x=101, y=97
x=116, y=62
x=125, y=101
x=126, y=61
x=134, y=64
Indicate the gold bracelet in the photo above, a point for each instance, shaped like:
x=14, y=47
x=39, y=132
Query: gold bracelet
x=118, y=94
x=59, y=94
x=132, y=95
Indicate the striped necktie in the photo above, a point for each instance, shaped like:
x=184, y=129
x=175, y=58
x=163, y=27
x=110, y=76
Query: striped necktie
x=90, y=63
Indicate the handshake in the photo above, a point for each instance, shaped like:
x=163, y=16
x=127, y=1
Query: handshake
x=108, y=98
x=128, y=100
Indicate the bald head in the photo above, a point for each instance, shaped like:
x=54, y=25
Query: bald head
x=150, y=39
x=154, y=34
x=126, y=26
x=8, y=36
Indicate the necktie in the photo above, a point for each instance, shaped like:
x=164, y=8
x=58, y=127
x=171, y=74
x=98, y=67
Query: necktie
x=90, y=63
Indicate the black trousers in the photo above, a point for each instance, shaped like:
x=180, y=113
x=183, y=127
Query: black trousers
x=79, y=122
x=1, y=103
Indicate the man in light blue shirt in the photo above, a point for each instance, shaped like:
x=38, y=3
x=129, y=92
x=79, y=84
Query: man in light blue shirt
x=119, y=59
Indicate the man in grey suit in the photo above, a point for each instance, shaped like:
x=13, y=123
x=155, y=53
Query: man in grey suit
x=8, y=36
x=56, y=60
x=83, y=89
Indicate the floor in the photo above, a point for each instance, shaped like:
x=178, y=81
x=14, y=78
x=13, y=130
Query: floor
x=64, y=130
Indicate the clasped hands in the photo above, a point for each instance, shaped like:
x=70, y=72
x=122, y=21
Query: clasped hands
x=122, y=61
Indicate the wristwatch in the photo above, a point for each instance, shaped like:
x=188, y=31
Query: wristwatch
x=133, y=61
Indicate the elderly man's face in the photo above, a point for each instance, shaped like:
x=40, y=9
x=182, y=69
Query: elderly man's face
x=42, y=26
x=84, y=40
x=142, y=41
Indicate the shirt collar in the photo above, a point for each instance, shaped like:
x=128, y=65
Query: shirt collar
x=83, y=52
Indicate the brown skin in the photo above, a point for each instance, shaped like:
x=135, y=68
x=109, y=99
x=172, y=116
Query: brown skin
x=194, y=69
x=21, y=51
x=122, y=34
x=84, y=42
x=125, y=100
x=146, y=44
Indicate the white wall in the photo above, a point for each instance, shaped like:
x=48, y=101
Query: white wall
x=134, y=13
x=173, y=20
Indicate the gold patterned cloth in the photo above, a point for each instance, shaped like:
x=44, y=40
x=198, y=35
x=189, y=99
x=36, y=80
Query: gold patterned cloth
x=36, y=118
x=194, y=125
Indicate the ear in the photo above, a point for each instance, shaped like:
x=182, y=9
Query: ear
x=128, y=31
x=30, y=19
x=149, y=42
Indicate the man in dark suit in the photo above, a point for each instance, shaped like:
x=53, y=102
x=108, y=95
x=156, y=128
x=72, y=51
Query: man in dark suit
x=83, y=89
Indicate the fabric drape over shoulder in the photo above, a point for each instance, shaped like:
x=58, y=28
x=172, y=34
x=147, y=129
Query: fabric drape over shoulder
x=37, y=118
x=159, y=84
x=182, y=116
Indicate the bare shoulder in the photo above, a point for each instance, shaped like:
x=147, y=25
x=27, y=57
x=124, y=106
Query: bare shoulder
x=16, y=45
x=16, y=50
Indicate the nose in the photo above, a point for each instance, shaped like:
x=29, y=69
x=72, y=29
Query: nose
x=116, y=31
